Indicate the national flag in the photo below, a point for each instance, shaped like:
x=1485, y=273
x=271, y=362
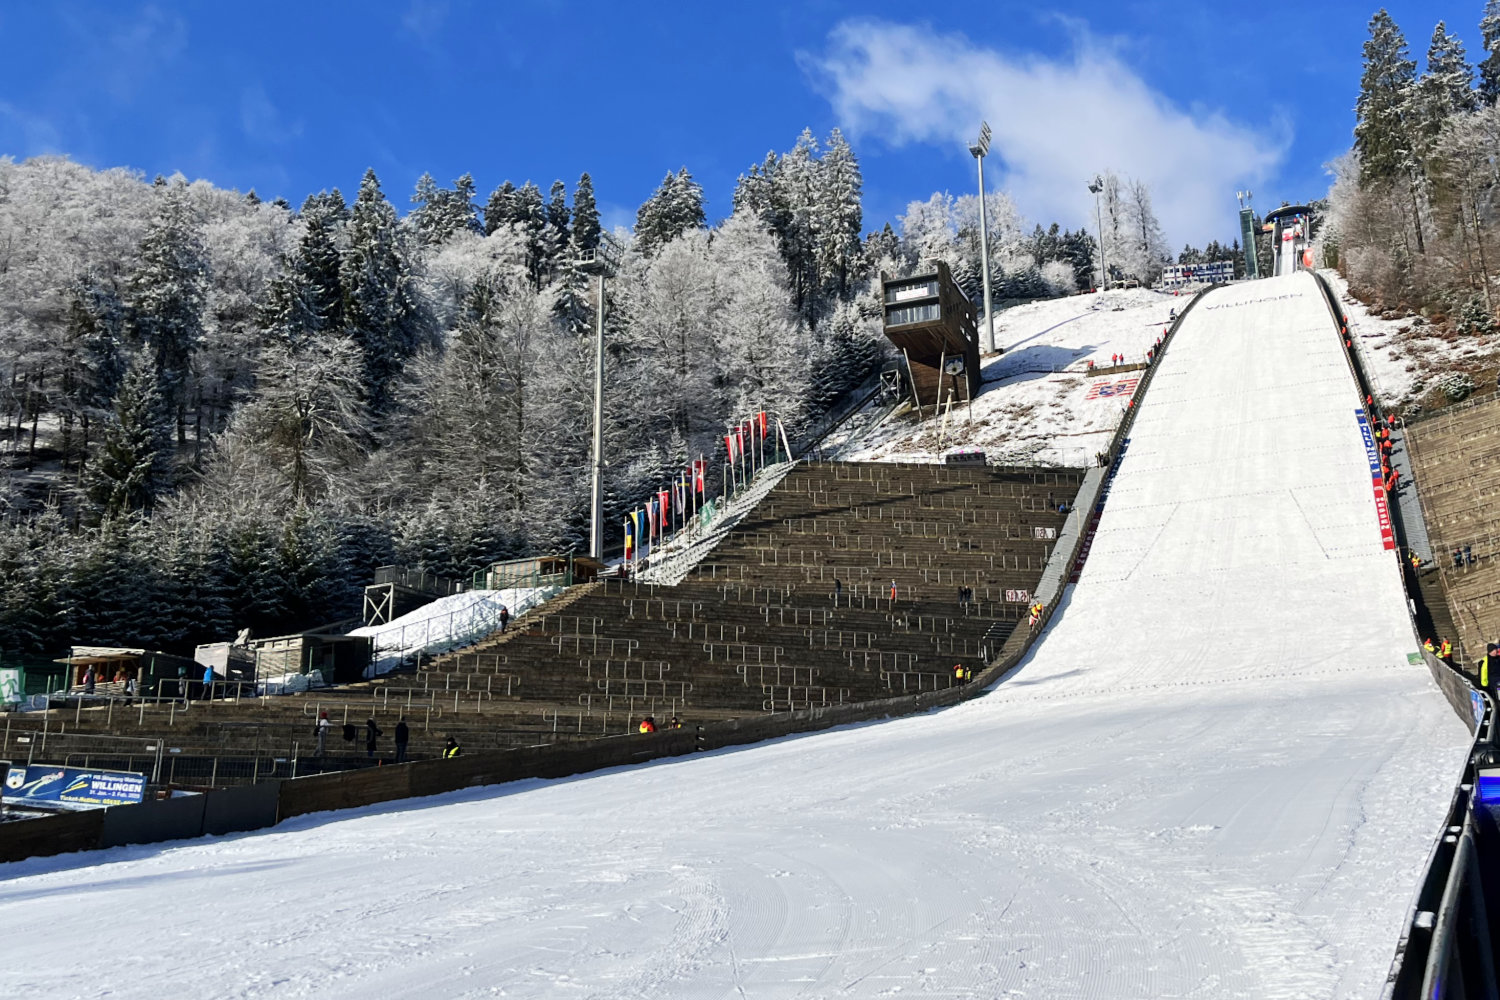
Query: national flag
x=629, y=538
x=729, y=445
x=700, y=475
x=663, y=503
x=762, y=418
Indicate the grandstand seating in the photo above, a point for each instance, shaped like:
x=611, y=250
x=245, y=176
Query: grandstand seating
x=1456, y=460
x=760, y=626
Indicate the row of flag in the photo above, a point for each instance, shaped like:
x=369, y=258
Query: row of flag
x=677, y=504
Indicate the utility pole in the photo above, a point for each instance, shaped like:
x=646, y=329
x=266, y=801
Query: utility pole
x=603, y=261
x=980, y=149
x=1097, y=187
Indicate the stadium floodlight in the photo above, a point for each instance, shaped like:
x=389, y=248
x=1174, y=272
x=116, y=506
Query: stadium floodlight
x=1096, y=188
x=604, y=261
x=980, y=148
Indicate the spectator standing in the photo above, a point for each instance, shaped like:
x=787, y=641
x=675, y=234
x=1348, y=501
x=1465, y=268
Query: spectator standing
x=893, y=590
x=320, y=730
x=504, y=618
x=372, y=733
x=129, y=690
x=88, y=680
x=403, y=736
x=838, y=590
x=208, y=683
x=1468, y=556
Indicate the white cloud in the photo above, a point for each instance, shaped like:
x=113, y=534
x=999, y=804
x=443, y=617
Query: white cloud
x=23, y=134
x=261, y=120
x=1056, y=123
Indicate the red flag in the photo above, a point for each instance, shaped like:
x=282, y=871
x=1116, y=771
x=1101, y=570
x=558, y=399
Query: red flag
x=700, y=473
x=729, y=444
x=662, y=499
x=762, y=417
x=739, y=437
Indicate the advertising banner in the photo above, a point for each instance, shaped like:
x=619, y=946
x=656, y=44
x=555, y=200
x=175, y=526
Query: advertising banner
x=48, y=786
x=1377, y=480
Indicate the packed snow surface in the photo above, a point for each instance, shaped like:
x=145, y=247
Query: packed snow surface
x=1039, y=402
x=1217, y=776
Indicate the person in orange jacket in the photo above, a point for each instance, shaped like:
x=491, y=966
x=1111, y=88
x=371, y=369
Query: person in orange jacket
x=648, y=725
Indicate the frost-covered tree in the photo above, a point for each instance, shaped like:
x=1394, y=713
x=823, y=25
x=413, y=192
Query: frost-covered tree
x=308, y=419
x=1382, y=136
x=764, y=347
x=675, y=208
x=165, y=296
x=384, y=314
x=133, y=465
x=1489, y=68
x=441, y=212
x=840, y=215
x=500, y=210
x=585, y=215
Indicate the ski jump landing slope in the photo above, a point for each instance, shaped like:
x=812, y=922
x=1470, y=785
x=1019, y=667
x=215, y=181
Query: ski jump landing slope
x=1216, y=777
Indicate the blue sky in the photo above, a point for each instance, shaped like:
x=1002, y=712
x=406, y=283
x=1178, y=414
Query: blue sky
x=289, y=98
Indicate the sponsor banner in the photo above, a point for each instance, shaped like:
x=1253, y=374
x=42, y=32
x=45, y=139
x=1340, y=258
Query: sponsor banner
x=1017, y=596
x=1039, y=532
x=1377, y=481
x=1108, y=390
x=49, y=786
x=1476, y=703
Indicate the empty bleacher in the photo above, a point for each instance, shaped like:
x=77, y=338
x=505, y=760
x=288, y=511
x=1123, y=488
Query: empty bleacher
x=1456, y=461
x=841, y=586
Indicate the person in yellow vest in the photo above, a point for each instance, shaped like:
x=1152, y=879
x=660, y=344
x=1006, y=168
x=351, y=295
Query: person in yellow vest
x=968, y=674
x=451, y=748
x=958, y=673
x=1446, y=651
x=1427, y=645
x=648, y=725
x=1484, y=666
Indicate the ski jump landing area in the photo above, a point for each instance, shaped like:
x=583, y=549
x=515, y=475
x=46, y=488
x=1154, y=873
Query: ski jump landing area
x=1217, y=776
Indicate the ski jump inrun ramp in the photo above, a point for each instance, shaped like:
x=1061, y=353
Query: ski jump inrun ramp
x=1217, y=776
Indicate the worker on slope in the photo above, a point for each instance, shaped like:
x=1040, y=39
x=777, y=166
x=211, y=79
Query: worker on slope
x=451, y=748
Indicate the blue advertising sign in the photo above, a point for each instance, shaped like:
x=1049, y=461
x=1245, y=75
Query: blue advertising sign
x=47, y=786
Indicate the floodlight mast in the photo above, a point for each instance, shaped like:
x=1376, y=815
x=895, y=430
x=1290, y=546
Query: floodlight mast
x=980, y=149
x=604, y=261
x=1096, y=187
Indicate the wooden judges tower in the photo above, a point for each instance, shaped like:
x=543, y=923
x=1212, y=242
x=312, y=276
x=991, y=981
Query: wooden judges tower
x=936, y=327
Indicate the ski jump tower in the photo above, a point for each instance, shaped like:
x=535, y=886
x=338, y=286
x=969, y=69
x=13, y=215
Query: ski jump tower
x=1291, y=231
x=936, y=328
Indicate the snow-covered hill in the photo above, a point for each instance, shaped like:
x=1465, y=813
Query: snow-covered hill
x=1038, y=403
